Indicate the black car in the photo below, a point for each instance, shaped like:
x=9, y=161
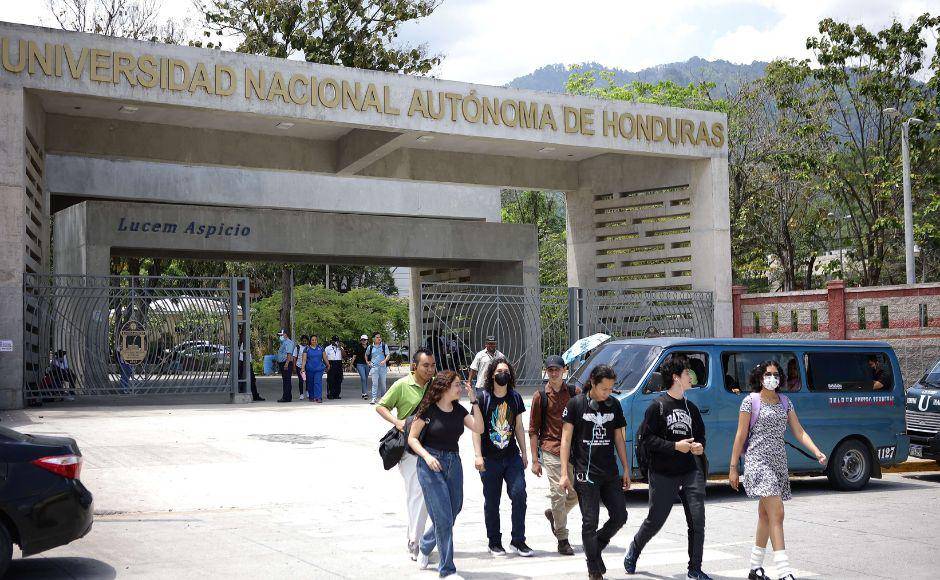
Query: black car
x=42, y=502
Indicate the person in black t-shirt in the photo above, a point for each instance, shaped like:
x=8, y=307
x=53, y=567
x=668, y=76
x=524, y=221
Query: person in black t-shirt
x=593, y=431
x=501, y=455
x=438, y=424
x=673, y=434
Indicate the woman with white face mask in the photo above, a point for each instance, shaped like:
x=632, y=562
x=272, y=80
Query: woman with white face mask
x=762, y=424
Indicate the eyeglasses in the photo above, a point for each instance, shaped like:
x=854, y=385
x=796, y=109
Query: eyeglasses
x=772, y=375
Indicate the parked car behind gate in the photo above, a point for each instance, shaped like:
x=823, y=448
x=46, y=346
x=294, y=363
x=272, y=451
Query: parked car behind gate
x=849, y=396
x=923, y=415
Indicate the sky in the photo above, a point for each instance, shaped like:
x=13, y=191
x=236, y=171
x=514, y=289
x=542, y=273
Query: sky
x=495, y=41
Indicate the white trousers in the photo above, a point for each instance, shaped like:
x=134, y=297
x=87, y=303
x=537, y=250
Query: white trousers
x=414, y=497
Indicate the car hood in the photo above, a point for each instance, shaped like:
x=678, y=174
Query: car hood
x=923, y=399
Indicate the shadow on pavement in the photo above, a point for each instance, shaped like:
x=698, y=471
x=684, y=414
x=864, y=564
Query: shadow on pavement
x=52, y=567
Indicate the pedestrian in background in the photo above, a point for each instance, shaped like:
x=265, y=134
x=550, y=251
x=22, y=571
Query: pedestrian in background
x=377, y=354
x=334, y=369
x=545, y=427
x=672, y=439
x=593, y=438
x=298, y=362
x=362, y=366
x=315, y=363
x=501, y=455
x=483, y=360
x=442, y=419
x=403, y=398
x=253, y=382
x=285, y=360
x=762, y=423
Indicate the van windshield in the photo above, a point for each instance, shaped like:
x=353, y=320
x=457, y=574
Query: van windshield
x=932, y=377
x=629, y=361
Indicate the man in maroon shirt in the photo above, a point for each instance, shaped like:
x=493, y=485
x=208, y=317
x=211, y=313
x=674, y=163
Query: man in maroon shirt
x=545, y=426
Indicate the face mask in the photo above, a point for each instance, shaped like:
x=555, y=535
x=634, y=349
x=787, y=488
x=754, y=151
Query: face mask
x=502, y=379
x=771, y=383
x=280, y=338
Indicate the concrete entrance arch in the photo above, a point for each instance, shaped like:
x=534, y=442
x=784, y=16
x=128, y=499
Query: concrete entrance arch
x=85, y=117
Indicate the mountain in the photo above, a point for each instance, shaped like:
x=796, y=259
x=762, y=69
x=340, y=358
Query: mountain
x=724, y=74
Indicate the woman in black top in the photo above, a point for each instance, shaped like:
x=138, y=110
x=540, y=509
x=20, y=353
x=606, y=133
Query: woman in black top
x=438, y=424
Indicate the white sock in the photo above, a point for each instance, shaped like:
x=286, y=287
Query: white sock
x=757, y=557
x=782, y=563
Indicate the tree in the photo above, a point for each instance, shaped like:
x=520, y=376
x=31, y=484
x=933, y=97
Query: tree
x=546, y=211
x=668, y=93
x=137, y=19
x=359, y=33
x=861, y=73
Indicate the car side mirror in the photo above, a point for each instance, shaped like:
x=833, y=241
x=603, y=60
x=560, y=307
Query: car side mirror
x=655, y=383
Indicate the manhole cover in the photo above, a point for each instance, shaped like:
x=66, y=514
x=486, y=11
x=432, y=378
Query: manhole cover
x=293, y=438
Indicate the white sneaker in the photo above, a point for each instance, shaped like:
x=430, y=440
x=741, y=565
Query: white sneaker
x=424, y=560
x=302, y=397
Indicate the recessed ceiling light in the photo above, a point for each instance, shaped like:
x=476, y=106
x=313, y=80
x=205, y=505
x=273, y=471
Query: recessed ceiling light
x=546, y=149
x=77, y=108
x=424, y=138
x=128, y=109
x=284, y=125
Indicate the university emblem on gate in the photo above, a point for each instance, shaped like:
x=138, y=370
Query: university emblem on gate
x=132, y=342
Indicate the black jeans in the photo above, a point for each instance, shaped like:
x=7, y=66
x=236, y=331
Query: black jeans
x=300, y=381
x=287, y=373
x=334, y=380
x=590, y=495
x=663, y=489
x=253, y=382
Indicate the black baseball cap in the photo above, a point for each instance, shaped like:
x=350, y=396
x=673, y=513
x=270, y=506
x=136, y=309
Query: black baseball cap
x=491, y=338
x=554, y=361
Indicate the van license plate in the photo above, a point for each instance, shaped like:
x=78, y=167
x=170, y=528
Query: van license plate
x=917, y=451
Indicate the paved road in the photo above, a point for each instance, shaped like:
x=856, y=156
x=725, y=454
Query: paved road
x=297, y=491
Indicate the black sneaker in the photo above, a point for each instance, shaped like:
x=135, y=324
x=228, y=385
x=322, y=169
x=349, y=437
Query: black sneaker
x=283, y=400
x=564, y=548
x=698, y=575
x=521, y=548
x=595, y=576
x=757, y=574
x=629, y=561
x=496, y=549
x=787, y=577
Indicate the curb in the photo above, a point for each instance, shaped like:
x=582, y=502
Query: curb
x=913, y=466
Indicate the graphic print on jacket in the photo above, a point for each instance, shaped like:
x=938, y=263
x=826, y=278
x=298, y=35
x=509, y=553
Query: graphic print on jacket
x=679, y=423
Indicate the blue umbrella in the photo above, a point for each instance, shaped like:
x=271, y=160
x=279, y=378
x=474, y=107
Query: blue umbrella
x=584, y=345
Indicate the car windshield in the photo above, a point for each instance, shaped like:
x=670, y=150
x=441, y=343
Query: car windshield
x=629, y=361
x=932, y=377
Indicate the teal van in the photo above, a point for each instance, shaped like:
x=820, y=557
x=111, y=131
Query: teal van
x=849, y=396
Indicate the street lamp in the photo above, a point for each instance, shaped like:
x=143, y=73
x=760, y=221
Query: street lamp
x=908, y=204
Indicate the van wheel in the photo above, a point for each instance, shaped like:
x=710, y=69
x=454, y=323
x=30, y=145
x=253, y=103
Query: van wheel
x=6, y=550
x=850, y=466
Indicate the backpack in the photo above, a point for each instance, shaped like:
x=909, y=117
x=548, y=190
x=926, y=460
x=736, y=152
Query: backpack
x=572, y=392
x=369, y=352
x=644, y=455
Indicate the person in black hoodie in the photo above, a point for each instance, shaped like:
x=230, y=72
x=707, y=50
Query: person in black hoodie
x=673, y=436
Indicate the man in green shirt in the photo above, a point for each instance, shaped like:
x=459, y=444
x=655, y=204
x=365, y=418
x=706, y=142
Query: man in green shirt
x=403, y=397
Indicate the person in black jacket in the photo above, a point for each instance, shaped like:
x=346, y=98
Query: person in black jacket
x=674, y=437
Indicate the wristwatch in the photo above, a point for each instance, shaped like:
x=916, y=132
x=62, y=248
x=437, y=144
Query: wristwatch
x=474, y=402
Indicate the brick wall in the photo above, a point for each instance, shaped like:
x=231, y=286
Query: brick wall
x=907, y=317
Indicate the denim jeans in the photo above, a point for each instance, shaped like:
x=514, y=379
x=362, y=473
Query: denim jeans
x=443, y=496
x=363, y=377
x=498, y=470
x=663, y=490
x=608, y=491
x=378, y=381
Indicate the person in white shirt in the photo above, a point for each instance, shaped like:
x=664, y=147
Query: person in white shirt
x=334, y=369
x=482, y=361
x=299, y=350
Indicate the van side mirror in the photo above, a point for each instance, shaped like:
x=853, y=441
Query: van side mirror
x=655, y=383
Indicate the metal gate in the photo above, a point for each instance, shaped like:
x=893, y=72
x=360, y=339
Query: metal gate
x=134, y=335
x=530, y=323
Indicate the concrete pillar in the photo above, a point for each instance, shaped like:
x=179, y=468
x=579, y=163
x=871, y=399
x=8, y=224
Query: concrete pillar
x=835, y=298
x=12, y=241
x=711, y=238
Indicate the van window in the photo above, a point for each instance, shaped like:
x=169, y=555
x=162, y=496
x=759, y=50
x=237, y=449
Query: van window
x=698, y=369
x=849, y=371
x=738, y=370
x=629, y=361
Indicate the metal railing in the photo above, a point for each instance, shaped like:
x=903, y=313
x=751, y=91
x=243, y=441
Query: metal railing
x=133, y=335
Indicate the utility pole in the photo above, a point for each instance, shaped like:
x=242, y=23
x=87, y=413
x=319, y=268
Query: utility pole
x=908, y=203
